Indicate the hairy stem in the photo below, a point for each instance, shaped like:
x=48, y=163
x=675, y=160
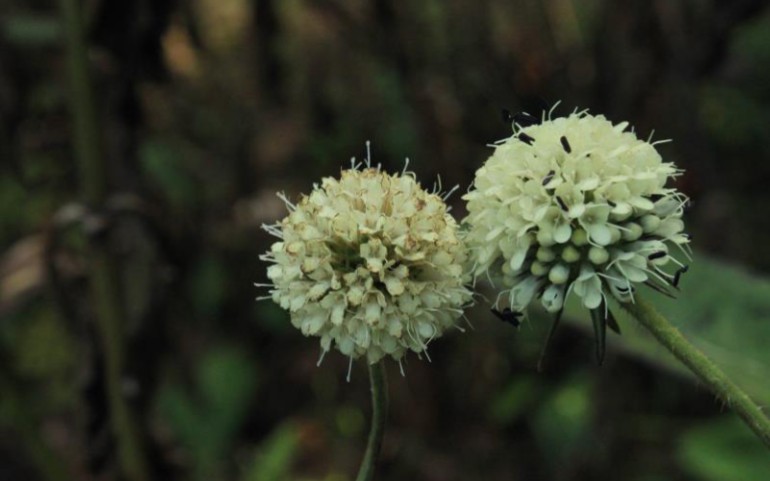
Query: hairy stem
x=379, y=413
x=104, y=280
x=701, y=366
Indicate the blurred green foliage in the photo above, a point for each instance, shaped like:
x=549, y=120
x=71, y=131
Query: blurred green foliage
x=722, y=450
x=209, y=108
x=207, y=417
x=274, y=458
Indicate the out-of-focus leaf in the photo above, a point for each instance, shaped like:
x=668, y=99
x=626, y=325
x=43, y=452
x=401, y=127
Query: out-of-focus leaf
x=273, y=459
x=752, y=42
x=207, y=286
x=731, y=116
x=31, y=30
x=206, y=420
x=513, y=400
x=350, y=421
x=165, y=167
x=46, y=352
x=563, y=418
x=21, y=272
x=722, y=309
x=723, y=450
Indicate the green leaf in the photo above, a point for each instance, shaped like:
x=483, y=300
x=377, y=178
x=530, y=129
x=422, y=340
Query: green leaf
x=274, y=457
x=722, y=309
x=206, y=419
x=29, y=30
x=723, y=450
x=168, y=168
x=514, y=400
x=561, y=422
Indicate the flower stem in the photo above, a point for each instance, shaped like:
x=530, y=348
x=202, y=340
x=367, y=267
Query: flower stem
x=105, y=289
x=701, y=366
x=379, y=413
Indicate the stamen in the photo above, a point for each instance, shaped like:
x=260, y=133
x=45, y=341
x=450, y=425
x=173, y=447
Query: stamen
x=550, y=112
x=286, y=201
x=450, y=192
x=321, y=358
x=350, y=368
x=565, y=144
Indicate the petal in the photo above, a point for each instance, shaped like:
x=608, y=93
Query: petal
x=576, y=211
x=600, y=234
x=426, y=329
x=592, y=297
x=621, y=209
x=553, y=298
x=562, y=233
x=394, y=286
x=518, y=258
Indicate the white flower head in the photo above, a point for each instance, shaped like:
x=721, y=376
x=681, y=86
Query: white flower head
x=371, y=263
x=575, y=205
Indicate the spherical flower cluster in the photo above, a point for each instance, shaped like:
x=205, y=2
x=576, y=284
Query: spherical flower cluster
x=370, y=262
x=575, y=205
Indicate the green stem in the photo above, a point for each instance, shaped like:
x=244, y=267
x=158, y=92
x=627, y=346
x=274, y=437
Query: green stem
x=379, y=413
x=702, y=367
x=104, y=280
x=87, y=141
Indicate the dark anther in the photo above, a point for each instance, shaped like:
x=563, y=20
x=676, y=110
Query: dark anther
x=548, y=177
x=508, y=117
x=523, y=119
x=561, y=203
x=526, y=138
x=656, y=197
x=657, y=255
x=509, y=316
x=611, y=204
x=687, y=236
x=678, y=275
x=565, y=144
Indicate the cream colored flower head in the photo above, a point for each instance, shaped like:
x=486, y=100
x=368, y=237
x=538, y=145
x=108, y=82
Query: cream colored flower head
x=371, y=263
x=575, y=206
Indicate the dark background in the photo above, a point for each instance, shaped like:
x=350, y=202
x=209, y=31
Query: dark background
x=208, y=107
